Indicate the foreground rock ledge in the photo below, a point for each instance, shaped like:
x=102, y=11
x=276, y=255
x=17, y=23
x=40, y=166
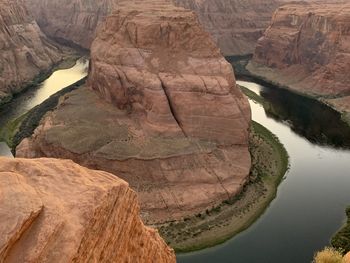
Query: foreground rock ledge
x=57, y=211
x=161, y=110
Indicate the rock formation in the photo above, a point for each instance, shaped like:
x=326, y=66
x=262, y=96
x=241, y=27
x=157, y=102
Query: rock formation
x=165, y=113
x=24, y=51
x=70, y=21
x=57, y=211
x=236, y=25
x=307, y=48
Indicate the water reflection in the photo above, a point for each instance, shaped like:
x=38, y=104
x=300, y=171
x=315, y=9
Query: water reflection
x=307, y=117
x=311, y=201
x=33, y=97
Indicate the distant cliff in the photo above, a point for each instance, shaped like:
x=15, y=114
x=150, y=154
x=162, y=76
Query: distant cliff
x=57, y=211
x=70, y=21
x=235, y=25
x=24, y=50
x=307, y=48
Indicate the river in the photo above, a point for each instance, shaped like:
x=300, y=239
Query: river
x=310, y=204
x=27, y=100
x=311, y=201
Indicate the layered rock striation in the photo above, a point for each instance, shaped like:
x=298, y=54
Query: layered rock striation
x=24, y=50
x=235, y=25
x=70, y=22
x=57, y=211
x=307, y=48
x=161, y=110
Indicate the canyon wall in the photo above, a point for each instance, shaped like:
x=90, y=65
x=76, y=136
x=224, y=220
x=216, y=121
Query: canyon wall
x=161, y=110
x=70, y=21
x=57, y=211
x=24, y=51
x=307, y=48
x=235, y=25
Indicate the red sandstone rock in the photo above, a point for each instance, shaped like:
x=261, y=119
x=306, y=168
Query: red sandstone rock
x=70, y=21
x=24, y=51
x=170, y=119
x=307, y=48
x=57, y=211
x=235, y=25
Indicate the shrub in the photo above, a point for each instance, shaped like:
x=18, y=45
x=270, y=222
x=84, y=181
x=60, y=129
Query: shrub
x=328, y=255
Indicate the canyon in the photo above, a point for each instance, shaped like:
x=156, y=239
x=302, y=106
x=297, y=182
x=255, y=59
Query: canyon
x=25, y=52
x=235, y=25
x=57, y=211
x=161, y=110
x=307, y=49
x=70, y=22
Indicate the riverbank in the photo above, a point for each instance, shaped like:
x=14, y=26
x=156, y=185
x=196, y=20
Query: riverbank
x=341, y=240
x=67, y=61
x=246, y=70
x=24, y=126
x=218, y=224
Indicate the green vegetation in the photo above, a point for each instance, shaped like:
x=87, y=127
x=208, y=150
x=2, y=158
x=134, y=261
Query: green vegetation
x=25, y=125
x=252, y=95
x=341, y=239
x=7, y=133
x=220, y=223
x=65, y=63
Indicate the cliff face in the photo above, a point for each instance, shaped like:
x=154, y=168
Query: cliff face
x=70, y=21
x=24, y=50
x=57, y=211
x=307, y=48
x=235, y=25
x=165, y=115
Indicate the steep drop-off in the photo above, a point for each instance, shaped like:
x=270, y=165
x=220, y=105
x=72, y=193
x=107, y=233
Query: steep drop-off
x=307, y=48
x=164, y=113
x=57, y=211
x=24, y=51
x=71, y=22
x=235, y=25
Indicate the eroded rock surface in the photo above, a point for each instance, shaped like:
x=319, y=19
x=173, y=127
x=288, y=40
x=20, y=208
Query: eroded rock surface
x=71, y=22
x=24, y=51
x=307, y=48
x=57, y=211
x=235, y=25
x=164, y=114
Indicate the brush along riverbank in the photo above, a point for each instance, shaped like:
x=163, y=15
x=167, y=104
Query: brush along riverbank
x=218, y=224
x=341, y=240
x=22, y=127
x=245, y=69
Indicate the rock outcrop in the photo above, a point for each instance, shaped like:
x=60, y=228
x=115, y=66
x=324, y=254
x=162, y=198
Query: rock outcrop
x=24, y=51
x=70, y=21
x=57, y=211
x=164, y=114
x=307, y=48
x=235, y=25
